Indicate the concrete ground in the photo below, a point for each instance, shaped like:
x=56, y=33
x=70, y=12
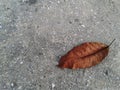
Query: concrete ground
x=34, y=34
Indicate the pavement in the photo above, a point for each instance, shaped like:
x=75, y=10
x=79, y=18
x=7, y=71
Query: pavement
x=34, y=34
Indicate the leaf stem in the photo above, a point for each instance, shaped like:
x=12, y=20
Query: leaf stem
x=111, y=42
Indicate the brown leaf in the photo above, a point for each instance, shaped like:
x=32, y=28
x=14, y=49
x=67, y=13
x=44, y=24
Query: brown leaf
x=85, y=55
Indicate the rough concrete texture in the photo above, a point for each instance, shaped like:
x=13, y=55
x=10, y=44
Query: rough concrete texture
x=34, y=34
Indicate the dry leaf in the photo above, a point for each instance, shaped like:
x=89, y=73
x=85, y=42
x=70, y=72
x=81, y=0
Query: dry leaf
x=85, y=55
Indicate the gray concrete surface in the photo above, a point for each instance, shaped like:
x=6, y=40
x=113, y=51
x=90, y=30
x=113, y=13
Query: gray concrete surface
x=34, y=34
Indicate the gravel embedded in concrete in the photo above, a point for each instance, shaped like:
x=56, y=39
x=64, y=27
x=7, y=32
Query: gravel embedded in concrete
x=34, y=34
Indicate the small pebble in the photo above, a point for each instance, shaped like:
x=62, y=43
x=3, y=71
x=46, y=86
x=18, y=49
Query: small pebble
x=83, y=25
x=13, y=84
x=91, y=10
x=0, y=26
x=97, y=22
x=20, y=87
x=76, y=20
x=21, y=62
x=53, y=85
x=81, y=39
x=58, y=1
